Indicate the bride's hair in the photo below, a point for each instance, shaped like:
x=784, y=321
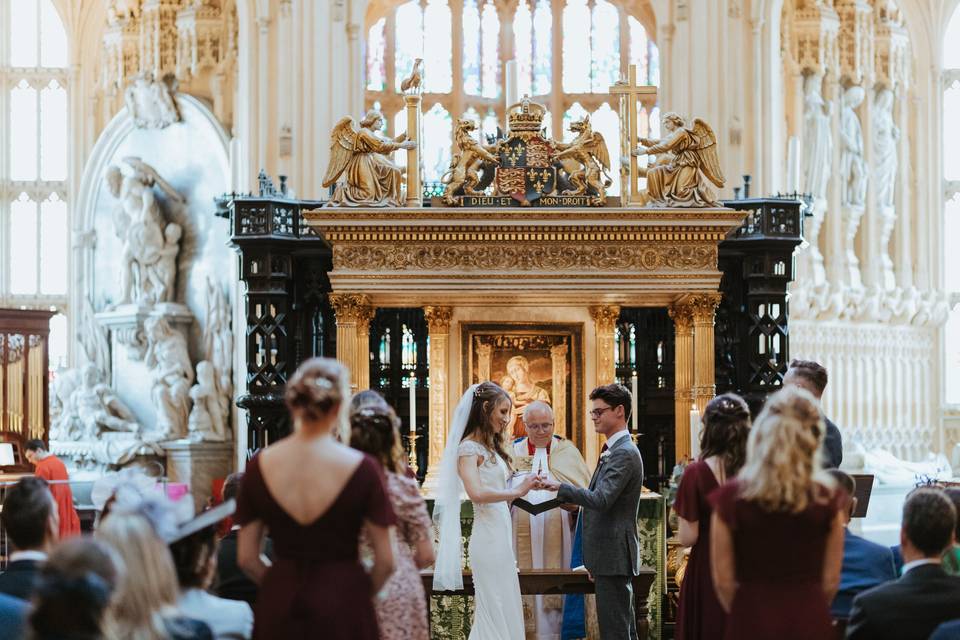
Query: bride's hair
x=480, y=426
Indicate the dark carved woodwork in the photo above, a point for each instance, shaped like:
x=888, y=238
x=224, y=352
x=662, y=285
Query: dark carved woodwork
x=645, y=345
x=392, y=359
x=752, y=338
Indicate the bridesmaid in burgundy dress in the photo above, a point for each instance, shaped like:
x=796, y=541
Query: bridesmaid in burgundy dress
x=313, y=495
x=776, y=538
x=723, y=446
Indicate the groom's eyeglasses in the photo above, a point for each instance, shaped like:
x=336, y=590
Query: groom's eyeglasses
x=596, y=413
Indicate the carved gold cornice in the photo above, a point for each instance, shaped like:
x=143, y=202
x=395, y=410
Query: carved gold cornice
x=703, y=306
x=438, y=318
x=682, y=315
x=605, y=317
x=352, y=307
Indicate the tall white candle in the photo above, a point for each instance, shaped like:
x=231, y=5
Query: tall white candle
x=694, y=432
x=510, y=83
x=793, y=165
x=413, y=403
x=235, y=169
x=633, y=402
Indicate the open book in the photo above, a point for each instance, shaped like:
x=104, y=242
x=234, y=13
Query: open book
x=536, y=509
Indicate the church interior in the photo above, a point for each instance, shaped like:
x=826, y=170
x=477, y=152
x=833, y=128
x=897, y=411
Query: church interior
x=682, y=197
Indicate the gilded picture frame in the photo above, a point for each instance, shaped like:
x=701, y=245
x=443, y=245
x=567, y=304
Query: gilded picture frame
x=532, y=361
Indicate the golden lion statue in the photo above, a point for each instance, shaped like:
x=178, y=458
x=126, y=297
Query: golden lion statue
x=468, y=156
x=586, y=161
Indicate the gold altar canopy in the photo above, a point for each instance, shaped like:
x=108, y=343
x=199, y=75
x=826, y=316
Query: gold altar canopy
x=528, y=266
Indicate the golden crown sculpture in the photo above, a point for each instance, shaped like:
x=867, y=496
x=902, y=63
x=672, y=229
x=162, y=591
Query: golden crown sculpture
x=525, y=116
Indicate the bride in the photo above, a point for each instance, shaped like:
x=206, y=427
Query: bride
x=476, y=459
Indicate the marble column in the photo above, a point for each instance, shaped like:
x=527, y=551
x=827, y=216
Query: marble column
x=682, y=315
x=438, y=324
x=350, y=308
x=703, y=307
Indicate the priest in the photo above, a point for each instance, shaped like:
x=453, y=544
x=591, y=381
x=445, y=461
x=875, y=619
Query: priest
x=545, y=541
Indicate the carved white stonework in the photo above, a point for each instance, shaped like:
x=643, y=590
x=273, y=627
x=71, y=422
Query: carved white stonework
x=853, y=169
x=151, y=101
x=817, y=138
x=218, y=347
x=169, y=363
x=127, y=324
x=207, y=420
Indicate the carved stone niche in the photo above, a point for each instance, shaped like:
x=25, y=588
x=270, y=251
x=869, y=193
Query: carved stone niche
x=126, y=324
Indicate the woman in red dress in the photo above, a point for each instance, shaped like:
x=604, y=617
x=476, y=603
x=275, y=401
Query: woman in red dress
x=313, y=495
x=51, y=468
x=776, y=535
x=723, y=446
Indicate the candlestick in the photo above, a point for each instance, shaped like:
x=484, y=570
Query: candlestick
x=412, y=457
x=633, y=402
x=694, y=432
x=413, y=403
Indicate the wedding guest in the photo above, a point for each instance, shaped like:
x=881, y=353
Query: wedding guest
x=13, y=616
x=315, y=580
x=776, y=534
x=401, y=605
x=195, y=560
x=723, y=446
x=145, y=605
x=231, y=582
x=812, y=377
x=951, y=557
x=866, y=564
x=74, y=591
x=368, y=398
x=51, y=468
x=925, y=596
x=31, y=520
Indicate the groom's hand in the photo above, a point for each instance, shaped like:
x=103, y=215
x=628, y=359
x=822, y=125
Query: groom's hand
x=548, y=484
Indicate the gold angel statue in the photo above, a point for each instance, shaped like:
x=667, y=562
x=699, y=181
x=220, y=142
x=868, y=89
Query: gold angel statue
x=686, y=164
x=359, y=165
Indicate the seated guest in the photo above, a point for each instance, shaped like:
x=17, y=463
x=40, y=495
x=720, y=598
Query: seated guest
x=74, y=591
x=13, y=616
x=865, y=564
x=401, y=606
x=316, y=581
x=811, y=376
x=951, y=557
x=51, y=468
x=195, y=558
x=31, y=521
x=145, y=605
x=545, y=541
x=776, y=535
x=723, y=446
x=232, y=583
x=947, y=631
x=925, y=596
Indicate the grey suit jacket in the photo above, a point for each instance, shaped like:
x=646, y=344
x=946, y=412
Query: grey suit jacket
x=610, y=506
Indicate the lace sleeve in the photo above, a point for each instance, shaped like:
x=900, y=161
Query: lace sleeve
x=472, y=448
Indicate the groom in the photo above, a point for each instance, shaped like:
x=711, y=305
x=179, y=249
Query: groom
x=611, y=549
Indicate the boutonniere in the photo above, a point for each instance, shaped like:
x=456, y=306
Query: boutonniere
x=603, y=456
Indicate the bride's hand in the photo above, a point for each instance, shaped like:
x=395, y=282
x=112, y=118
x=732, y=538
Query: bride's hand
x=529, y=482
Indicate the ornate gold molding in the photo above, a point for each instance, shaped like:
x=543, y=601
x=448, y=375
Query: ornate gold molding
x=605, y=321
x=351, y=307
x=703, y=305
x=438, y=318
x=605, y=317
x=682, y=315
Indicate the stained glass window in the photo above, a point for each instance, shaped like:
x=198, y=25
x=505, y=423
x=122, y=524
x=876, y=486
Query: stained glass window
x=437, y=130
x=576, y=47
x=471, y=48
x=490, y=48
x=376, y=56
x=606, y=122
x=542, y=47
x=409, y=40
x=34, y=215
x=605, y=47
x=437, y=44
x=574, y=113
x=951, y=213
x=523, y=48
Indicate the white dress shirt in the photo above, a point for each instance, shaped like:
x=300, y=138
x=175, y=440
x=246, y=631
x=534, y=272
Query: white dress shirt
x=619, y=435
x=227, y=619
x=918, y=563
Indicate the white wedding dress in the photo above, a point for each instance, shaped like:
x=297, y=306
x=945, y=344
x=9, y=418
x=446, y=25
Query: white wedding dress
x=498, y=610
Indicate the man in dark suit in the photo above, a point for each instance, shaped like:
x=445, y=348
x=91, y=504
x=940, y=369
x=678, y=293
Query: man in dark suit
x=811, y=376
x=30, y=518
x=611, y=548
x=865, y=564
x=925, y=596
x=231, y=582
x=13, y=617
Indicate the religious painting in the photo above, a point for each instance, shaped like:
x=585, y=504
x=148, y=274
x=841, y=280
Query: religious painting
x=531, y=362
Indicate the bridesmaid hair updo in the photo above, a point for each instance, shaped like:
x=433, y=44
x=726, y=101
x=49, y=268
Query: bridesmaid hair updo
x=726, y=425
x=375, y=429
x=318, y=387
x=480, y=425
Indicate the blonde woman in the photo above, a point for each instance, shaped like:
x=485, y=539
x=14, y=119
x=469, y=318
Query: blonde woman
x=776, y=534
x=144, y=606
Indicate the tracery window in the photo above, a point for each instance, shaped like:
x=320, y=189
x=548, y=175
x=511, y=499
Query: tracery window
x=567, y=53
x=951, y=222
x=34, y=220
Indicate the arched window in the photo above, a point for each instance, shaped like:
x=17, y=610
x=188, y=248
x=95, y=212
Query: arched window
x=34, y=222
x=951, y=222
x=567, y=53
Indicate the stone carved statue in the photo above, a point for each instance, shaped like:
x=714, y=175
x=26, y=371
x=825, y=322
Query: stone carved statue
x=151, y=102
x=885, y=155
x=91, y=408
x=146, y=236
x=466, y=160
x=586, y=160
x=359, y=166
x=687, y=163
x=218, y=344
x=169, y=363
x=817, y=139
x=853, y=168
x=207, y=420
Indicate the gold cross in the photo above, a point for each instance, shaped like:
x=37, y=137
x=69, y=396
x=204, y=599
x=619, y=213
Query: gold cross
x=629, y=93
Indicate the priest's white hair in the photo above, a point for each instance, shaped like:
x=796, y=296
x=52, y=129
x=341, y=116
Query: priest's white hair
x=536, y=405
